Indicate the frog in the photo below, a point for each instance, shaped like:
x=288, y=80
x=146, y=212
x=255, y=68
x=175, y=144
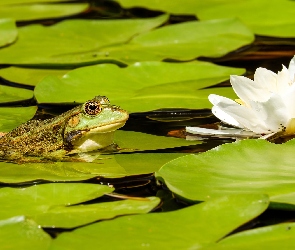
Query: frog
x=87, y=127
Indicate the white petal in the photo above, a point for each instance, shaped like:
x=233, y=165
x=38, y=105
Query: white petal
x=222, y=115
x=228, y=131
x=248, y=90
x=245, y=117
x=289, y=100
x=283, y=81
x=237, y=115
x=291, y=68
x=273, y=113
x=266, y=80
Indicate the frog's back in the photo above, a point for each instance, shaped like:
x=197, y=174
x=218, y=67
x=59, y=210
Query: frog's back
x=34, y=138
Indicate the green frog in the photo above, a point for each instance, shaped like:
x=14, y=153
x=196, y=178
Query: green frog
x=85, y=128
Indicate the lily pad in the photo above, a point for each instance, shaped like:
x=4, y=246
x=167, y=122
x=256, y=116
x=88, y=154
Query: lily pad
x=248, y=166
x=186, y=228
x=184, y=41
x=9, y=2
x=138, y=141
x=109, y=166
x=83, y=36
x=59, y=171
x=39, y=199
x=11, y=94
x=25, y=12
x=74, y=216
x=10, y=117
x=29, y=76
x=279, y=236
x=258, y=15
x=8, y=31
x=141, y=86
x=23, y=233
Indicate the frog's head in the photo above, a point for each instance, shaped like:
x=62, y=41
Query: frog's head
x=92, y=125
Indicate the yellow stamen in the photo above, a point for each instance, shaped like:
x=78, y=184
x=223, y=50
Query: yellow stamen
x=290, y=130
x=239, y=101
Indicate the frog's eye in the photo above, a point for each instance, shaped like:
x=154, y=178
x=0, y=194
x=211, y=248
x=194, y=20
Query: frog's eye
x=92, y=108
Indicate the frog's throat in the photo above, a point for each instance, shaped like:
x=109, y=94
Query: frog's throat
x=93, y=141
x=96, y=138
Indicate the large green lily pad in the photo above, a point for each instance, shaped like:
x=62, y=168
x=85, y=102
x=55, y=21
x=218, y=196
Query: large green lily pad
x=188, y=228
x=184, y=41
x=29, y=76
x=23, y=233
x=279, y=236
x=36, y=200
x=140, y=87
x=49, y=204
x=9, y=2
x=8, y=31
x=12, y=117
x=74, y=216
x=263, y=17
x=109, y=166
x=83, y=36
x=248, y=166
x=25, y=12
x=11, y=94
x=137, y=141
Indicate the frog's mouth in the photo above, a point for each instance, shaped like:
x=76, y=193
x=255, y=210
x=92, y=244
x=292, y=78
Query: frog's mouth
x=104, y=128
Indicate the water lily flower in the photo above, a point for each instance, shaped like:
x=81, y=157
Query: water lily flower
x=266, y=105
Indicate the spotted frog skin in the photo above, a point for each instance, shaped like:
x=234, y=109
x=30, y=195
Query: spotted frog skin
x=87, y=127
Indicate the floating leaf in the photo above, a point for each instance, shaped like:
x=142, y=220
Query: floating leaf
x=25, y=12
x=9, y=2
x=253, y=13
x=60, y=171
x=131, y=140
x=240, y=167
x=279, y=236
x=141, y=86
x=29, y=76
x=188, y=228
x=184, y=41
x=11, y=94
x=83, y=36
x=109, y=166
x=73, y=216
x=39, y=199
x=22, y=233
x=10, y=117
x=8, y=31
